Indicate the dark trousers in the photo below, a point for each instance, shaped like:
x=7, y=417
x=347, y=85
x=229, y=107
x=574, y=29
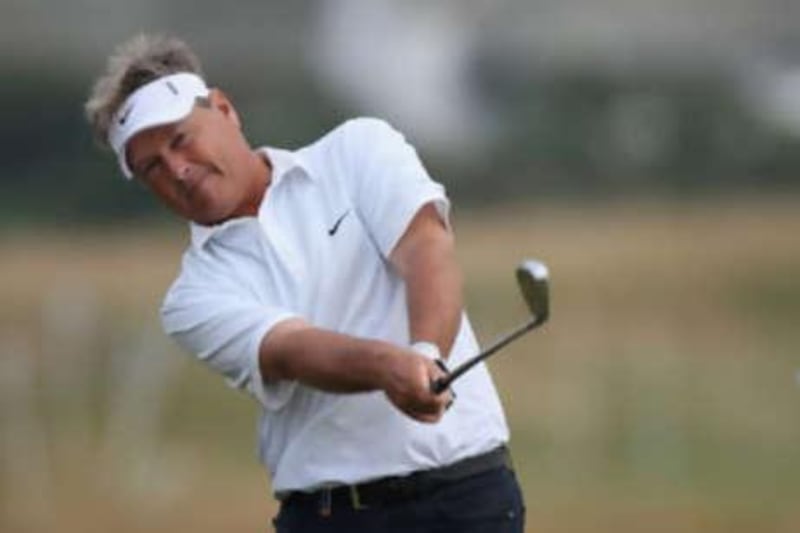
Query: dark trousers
x=490, y=502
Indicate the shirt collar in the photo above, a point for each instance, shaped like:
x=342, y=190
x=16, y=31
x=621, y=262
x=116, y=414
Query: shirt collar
x=282, y=162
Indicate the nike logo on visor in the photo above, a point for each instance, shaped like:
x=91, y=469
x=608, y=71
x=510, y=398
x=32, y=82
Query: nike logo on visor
x=125, y=116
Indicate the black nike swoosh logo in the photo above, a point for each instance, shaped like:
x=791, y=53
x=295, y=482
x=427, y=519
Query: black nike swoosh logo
x=335, y=226
x=125, y=116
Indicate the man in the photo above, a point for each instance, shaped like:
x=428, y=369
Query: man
x=324, y=282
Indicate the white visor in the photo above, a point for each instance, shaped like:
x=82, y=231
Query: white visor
x=162, y=101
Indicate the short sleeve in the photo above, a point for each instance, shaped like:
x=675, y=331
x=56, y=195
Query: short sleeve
x=388, y=180
x=224, y=328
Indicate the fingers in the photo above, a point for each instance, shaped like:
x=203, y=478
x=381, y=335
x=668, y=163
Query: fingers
x=409, y=387
x=441, y=372
x=434, y=405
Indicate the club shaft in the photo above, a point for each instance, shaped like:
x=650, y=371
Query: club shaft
x=442, y=384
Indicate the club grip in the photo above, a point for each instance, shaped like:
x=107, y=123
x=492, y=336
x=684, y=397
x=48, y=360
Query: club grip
x=439, y=385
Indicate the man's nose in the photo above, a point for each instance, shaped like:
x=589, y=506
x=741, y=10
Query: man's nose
x=179, y=167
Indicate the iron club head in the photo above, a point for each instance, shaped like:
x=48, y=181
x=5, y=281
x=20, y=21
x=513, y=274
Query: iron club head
x=532, y=277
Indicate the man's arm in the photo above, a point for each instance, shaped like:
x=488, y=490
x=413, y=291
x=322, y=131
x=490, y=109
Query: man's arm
x=425, y=258
x=334, y=362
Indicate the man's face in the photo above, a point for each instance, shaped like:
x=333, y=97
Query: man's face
x=201, y=167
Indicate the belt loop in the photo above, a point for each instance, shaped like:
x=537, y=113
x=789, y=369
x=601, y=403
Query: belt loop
x=355, y=499
x=325, y=502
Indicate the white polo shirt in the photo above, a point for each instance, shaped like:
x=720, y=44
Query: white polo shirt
x=318, y=250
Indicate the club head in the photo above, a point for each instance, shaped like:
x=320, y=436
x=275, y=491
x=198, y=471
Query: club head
x=532, y=277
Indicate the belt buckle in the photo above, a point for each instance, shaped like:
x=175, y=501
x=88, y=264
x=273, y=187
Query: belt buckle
x=355, y=499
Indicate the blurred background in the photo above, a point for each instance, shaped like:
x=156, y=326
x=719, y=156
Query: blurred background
x=647, y=150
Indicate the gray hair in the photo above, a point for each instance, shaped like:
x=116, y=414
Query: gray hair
x=133, y=64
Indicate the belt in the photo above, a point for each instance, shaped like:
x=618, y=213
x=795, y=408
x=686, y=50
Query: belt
x=398, y=489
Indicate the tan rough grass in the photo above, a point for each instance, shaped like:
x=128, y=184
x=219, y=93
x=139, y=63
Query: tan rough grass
x=661, y=396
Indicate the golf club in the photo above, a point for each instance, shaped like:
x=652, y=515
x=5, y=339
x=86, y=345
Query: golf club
x=532, y=278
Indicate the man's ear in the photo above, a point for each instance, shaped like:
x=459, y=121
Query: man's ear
x=220, y=101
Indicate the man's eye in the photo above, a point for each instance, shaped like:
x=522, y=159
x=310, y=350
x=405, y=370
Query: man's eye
x=148, y=169
x=180, y=140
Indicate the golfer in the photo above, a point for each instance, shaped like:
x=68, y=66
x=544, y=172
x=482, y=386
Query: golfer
x=322, y=281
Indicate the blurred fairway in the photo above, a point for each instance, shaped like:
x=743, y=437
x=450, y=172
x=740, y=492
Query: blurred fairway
x=663, y=395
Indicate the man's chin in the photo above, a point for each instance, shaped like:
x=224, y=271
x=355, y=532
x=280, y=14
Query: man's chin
x=209, y=220
x=207, y=215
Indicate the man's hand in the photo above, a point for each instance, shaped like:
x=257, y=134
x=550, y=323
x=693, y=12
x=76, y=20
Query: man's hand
x=408, y=386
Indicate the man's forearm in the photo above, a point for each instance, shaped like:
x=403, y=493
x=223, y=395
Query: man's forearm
x=323, y=359
x=425, y=258
x=434, y=295
x=332, y=362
